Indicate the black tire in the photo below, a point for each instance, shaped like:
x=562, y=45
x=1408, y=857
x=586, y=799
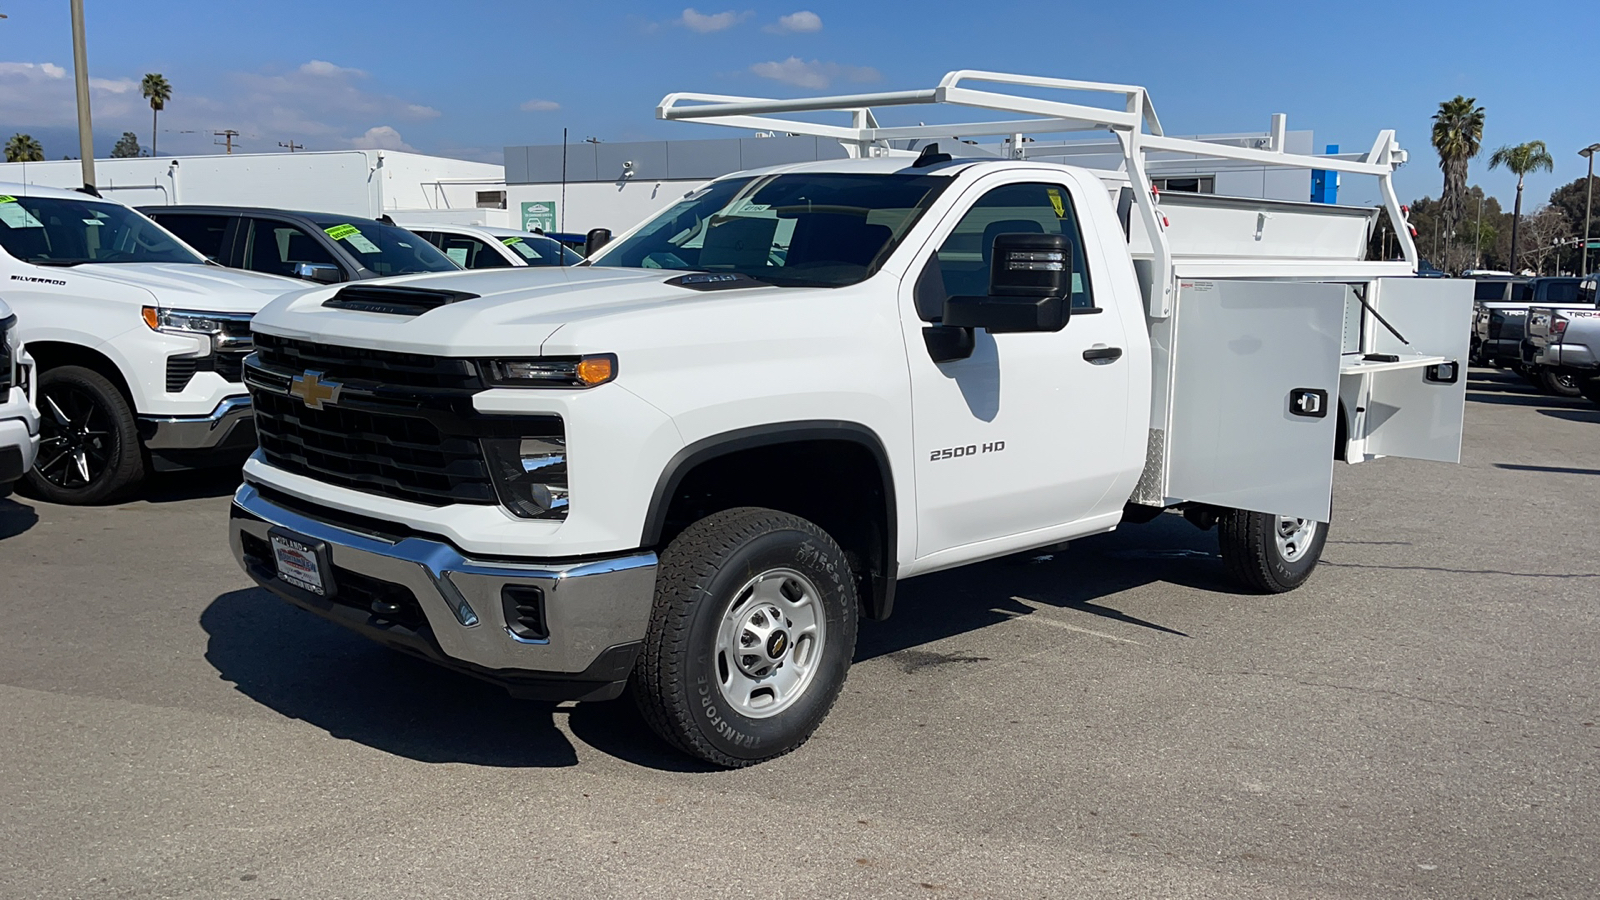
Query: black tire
x=1590, y=389
x=1558, y=383
x=707, y=578
x=1253, y=557
x=85, y=425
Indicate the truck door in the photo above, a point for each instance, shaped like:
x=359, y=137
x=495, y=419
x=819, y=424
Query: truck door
x=1416, y=406
x=1027, y=432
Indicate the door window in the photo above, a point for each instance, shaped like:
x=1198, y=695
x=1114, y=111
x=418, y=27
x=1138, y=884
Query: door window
x=1009, y=209
x=204, y=233
x=277, y=247
x=470, y=253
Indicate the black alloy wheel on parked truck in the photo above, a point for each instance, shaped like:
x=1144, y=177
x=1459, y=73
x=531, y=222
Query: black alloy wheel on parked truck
x=88, y=442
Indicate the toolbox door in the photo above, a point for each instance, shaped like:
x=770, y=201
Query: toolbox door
x=1414, y=412
x=1255, y=382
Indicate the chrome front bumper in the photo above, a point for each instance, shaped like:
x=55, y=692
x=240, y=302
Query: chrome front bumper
x=168, y=433
x=595, y=611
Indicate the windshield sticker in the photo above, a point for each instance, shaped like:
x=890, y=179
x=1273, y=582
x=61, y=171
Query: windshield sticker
x=7, y=198
x=14, y=216
x=511, y=240
x=338, y=232
x=458, y=255
x=360, y=242
x=527, y=250
x=1056, y=204
x=93, y=222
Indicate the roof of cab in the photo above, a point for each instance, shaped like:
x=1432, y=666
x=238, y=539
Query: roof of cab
x=38, y=190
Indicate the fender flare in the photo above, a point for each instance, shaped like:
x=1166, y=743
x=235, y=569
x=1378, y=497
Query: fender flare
x=881, y=603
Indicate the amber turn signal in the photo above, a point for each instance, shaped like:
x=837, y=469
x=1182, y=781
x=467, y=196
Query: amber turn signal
x=593, y=370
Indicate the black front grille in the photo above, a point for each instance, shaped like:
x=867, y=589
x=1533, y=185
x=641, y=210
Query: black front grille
x=230, y=365
x=400, y=456
x=227, y=363
x=7, y=364
x=381, y=366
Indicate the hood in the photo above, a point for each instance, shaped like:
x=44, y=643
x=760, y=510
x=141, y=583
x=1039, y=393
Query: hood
x=193, y=286
x=515, y=311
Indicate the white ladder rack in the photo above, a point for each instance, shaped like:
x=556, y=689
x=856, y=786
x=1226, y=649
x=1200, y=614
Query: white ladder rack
x=1135, y=126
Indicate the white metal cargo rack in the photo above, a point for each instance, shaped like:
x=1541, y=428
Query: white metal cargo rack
x=1137, y=131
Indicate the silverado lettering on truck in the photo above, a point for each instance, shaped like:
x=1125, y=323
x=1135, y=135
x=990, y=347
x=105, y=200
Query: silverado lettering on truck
x=693, y=462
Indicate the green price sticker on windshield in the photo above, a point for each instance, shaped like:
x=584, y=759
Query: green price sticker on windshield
x=339, y=232
x=7, y=198
x=511, y=240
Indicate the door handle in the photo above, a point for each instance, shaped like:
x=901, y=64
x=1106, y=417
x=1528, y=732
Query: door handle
x=1097, y=354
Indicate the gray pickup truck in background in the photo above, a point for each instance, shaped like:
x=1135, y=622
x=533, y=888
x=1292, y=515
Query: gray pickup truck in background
x=1563, y=342
x=1499, y=326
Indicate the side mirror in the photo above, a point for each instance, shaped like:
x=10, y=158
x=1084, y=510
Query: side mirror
x=1030, y=287
x=321, y=273
x=595, y=240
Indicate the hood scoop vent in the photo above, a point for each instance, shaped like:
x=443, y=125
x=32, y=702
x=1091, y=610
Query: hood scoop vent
x=394, y=301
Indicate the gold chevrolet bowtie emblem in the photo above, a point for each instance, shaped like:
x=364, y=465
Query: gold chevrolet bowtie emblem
x=313, y=391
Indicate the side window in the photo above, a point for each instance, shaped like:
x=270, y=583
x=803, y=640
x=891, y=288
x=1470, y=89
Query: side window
x=963, y=258
x=203, y=233
x=276, y=247
x=470, y=253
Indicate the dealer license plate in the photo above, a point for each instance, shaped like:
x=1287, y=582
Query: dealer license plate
x=299, y=564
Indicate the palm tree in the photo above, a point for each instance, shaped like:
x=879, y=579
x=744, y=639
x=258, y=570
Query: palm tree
x=1457, y=136
x=155, y=88
x=23, y=148
x=1521, y=160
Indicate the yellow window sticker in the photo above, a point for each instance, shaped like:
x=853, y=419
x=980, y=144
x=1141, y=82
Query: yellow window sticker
x=7, y=198
x=1056, y=204
x=511, y=240
x=342, y=231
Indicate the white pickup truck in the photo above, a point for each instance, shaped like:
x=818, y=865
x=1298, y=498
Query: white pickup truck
x=695, y=460
x=19, y=421
x=138, y=342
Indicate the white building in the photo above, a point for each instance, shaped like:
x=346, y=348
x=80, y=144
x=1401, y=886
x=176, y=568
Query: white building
x=365, y=183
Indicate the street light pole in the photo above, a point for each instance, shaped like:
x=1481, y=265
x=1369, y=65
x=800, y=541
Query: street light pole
x=80, y=66
x=1477, y=240
x=1588, y=203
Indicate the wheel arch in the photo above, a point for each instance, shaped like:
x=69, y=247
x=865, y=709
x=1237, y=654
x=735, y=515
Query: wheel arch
x=51, y=354
x=726, y=469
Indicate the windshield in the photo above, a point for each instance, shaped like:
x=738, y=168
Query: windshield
x=60, y=231
x=1561, y=291
x=803, y=229
x=386, y=249
x=541, y=251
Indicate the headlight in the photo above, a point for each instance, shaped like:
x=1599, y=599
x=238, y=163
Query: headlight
x=226, y=330
x=553, y=371
x=530, y=475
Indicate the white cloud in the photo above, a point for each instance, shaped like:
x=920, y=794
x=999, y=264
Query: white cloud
x=418, y=111
x=32, y=70
x=814, y=74
x=117, y=86
x=381, y=137
x=327, y=69
x=540, y=106
x=705, y=24
x=803, y=22
x=40, y=95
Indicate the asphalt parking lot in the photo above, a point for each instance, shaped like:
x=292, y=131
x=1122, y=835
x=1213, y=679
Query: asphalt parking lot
x=1419, y=720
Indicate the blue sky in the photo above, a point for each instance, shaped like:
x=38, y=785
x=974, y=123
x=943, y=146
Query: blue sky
x=465, y=78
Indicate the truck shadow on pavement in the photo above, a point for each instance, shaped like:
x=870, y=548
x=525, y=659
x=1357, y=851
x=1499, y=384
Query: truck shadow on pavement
x=15, y=518
x=304, y=668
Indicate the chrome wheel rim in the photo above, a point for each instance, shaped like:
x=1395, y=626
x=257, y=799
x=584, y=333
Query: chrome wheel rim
x=75, y=438
x=1294, y=537
x=770, y=642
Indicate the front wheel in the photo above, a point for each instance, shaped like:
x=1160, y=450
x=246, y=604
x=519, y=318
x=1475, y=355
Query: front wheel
x=751, y=637
x=1268, y=553
x=1561, y=384
x=88, y=441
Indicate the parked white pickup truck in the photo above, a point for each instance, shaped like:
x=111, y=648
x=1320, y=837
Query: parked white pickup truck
x=696, y=459
x=138, y=342
x=19, y=421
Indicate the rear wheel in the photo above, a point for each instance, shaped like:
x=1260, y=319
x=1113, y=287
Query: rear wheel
x=1590, y=389
x=1561, y=384
x=1268, y=553
x=751, y=637
x=88, y=441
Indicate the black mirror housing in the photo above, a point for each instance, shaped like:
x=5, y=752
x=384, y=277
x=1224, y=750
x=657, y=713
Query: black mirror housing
x=595, y=240
x=1030, y=287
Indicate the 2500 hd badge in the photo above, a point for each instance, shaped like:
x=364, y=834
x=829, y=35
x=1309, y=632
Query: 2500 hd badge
x=968, y=450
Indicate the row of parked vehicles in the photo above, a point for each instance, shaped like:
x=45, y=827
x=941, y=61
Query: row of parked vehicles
x=1545, y=329
x=693, y=462
x=138, y=321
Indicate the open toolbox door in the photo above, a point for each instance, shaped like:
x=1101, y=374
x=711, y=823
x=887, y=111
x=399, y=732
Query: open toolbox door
x=1255, y=385
x=1415, y=406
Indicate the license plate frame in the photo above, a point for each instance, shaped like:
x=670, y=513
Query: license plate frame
x=302, y=562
